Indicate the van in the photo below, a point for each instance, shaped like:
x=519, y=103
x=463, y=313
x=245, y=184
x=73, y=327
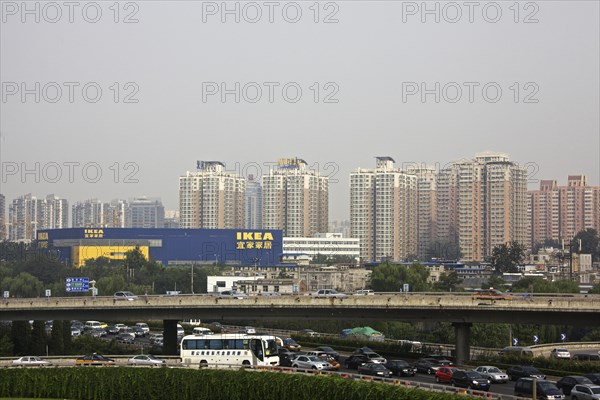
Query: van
x=194, y=322
x=201, y=331
x=517, y=351
x=544, y=389
x=89, y=325
x=143, y=326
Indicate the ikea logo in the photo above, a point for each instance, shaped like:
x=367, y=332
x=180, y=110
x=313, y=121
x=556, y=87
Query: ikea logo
x=254, y=236
x=42, y=235
x=93, y=233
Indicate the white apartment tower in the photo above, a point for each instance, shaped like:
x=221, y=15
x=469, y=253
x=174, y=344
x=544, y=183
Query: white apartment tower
x=2, y=217
x=253, y=203
x=482, y=203
x=295, y=199
x=93, y=213
x=211, y=198
x=383, y=211
x=28, y=214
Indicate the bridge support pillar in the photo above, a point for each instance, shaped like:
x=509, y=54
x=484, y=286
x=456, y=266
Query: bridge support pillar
x=462, y=332
x=170, y=337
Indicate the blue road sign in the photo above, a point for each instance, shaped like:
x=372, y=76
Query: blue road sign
x=515, y=342
x=77, y=284
x=563, y=337
x=536, y=339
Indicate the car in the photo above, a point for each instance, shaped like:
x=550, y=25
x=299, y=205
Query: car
x=355, y=360
x=585, y=392
x=516, y=351
x=325, y=293
x=126, y=338
x=374, y=369
x=491, y=294
x=144, y=326
x=469, y=380
x=125, y=295
x=285, y=356
x=112, y=330
x=231, y=294
x=427, y=365
x=249, y=330
x=544, y=389
x=523, y=371
x=291, y=344
x=585, y=357
x=375, y=358
x=401, y=368
x=94, y=359
x=333, y=364
x=138, y=332
x=31, y=361
x=309, y=362
x=594, y=377
x=328, y=350
x=364, y=292
x=147, y=359
x=75, y=331
x=444, y=374
x=493, y=374
x=560, y=354
x=308, y=332
x=566, y=383
x=440, y=358
x=96, y=332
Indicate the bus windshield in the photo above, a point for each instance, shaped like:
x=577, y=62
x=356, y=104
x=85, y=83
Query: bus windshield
x=270, y=347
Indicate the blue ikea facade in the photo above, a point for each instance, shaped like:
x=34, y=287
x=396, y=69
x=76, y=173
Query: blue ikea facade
x=170, y=246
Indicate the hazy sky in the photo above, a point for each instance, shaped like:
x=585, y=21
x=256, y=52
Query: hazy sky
x=515, y=77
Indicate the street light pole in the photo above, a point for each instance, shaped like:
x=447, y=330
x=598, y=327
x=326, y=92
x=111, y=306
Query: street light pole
x=192, y=277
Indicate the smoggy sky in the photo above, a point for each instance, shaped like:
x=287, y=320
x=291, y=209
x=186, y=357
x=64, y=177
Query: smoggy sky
x=119, y=99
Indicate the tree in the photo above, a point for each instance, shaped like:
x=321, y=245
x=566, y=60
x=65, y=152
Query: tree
x=23, y=285
x=506, y=257
x=56, y=343
x=37, y=345
x=448, y=282
x=589, y=243
x=20, y=334
x=388, y=277
x=495, y=282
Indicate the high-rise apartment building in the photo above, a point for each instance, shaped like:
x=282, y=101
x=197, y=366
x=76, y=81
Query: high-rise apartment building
x=253, y=203
x=143, y=212
x=426, y=207
x=560, y=212
x=212, y=198
x=482, y=203
x=383, y=211
x=295, y=199
x=28, y=214
x=3, y=235
x=98, y=214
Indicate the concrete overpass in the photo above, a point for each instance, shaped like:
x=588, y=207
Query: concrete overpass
x=462, y=310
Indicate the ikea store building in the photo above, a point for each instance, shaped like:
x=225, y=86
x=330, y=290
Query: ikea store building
x=166, y=246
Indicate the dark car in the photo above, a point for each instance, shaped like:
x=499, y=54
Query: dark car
x=401, y=368
x=566, y=383
x=285, y=356
x=523, y=371
x=355, y=360
x=544, y=389
x=374, y=370
x=469, y=380
x=594, y=377
x=585, y=357
x=427, y=365
x=329, y=351
x=291, y=344
x=441, y=359
x=94, y=359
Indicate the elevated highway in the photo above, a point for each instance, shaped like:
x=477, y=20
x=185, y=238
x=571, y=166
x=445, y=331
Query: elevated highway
x=459, y=309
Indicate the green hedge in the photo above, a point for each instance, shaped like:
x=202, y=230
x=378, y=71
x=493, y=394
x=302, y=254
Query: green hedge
x=549, y=366
x=90, y=383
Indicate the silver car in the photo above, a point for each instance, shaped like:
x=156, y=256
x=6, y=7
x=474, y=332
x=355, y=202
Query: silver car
x=147, y=359
x=30, y=361
x=309, y=362
x=585, y=392
x=493, y=374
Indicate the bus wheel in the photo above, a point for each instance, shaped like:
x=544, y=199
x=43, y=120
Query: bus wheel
x=203, y=364
x=246, y=364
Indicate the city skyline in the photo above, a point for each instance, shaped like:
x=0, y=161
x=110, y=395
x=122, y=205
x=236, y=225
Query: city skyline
x=181, y=83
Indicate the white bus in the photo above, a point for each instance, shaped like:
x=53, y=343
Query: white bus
x=229, y=349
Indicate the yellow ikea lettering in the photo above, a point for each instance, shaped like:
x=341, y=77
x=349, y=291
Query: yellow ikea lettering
x=268, y=236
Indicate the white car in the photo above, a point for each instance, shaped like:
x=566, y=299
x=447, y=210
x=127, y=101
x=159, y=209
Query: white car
x=147, y=359
x=560, y=353
x=229, y=294
x=31, y=361
x=329, y=293
x=309, y=362
x=125, y=295
x=493, y=374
